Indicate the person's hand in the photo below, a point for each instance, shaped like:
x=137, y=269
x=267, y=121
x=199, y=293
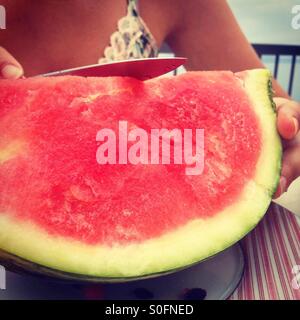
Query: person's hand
x=10, y=68
x=288, y=120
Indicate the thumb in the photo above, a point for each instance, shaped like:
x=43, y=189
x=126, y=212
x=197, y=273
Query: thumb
x=10, y=68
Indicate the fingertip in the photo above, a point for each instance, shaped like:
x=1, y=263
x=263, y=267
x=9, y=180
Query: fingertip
x=10, y=71
x=287, y=126
x=281, y=188
x=277, y=194
x=296, y=125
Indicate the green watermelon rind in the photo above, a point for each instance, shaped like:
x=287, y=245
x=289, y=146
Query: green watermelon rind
x=262, y=79
x=172, y=251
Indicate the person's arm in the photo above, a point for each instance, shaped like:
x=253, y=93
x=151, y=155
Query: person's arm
x=209, y=36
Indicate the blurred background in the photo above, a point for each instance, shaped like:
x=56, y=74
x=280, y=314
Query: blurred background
x=270, y=22
x=267, y=21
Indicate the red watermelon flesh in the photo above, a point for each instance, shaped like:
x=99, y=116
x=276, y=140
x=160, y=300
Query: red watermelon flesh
x=51, y=178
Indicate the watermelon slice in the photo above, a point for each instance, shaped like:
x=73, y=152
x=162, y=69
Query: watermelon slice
x=61, y=211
